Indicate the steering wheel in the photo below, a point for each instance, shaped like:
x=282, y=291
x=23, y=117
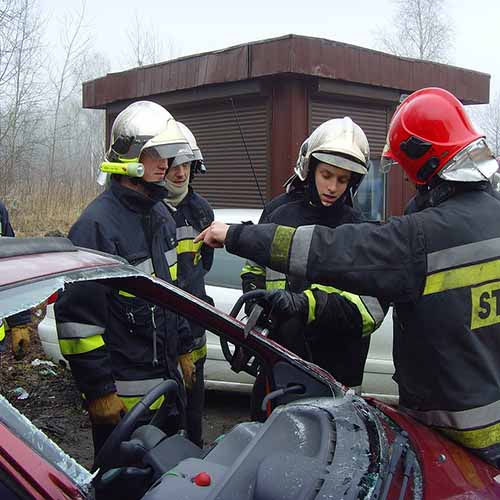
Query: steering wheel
x=108, y=454
x=240, y=358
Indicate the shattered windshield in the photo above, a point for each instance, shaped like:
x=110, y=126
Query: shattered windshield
x=20, y=298
x=40, y=443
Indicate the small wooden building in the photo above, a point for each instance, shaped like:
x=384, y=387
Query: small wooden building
x=277, y=91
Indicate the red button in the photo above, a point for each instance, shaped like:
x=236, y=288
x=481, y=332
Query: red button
x=202, y=479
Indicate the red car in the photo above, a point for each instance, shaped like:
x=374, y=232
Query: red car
x=319, y=441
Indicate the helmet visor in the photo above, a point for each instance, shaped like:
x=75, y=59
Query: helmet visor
x=197, y=154
x=473, y=164
x=187, y=158
x=387, y=162
x=165, y=151
x=339, y=161
x=180, y=159
x=168, y=144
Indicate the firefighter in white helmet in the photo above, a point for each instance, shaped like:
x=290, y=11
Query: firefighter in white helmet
x=331, y=164
x=119, y=346
x=192, y=213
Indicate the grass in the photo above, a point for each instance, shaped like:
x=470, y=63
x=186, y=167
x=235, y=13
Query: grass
x=39, y=214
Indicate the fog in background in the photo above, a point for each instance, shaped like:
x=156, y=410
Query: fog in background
x=51, y=148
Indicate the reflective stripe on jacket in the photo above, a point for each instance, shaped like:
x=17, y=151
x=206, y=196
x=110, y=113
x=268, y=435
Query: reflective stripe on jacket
x=441, y=269
x=192, y=215
x=132, y=391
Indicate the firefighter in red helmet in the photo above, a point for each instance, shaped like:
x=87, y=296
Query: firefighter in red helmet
x=439, y=265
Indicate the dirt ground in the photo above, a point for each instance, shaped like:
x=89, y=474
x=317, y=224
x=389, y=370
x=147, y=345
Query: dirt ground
x=53, y=403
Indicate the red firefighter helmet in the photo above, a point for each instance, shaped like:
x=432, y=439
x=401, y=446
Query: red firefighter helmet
x=428, y=130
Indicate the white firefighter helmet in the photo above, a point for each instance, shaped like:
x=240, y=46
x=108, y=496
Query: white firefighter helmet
x=196, y=159
x=145, y=125
x=339, y=142
x=196, y=152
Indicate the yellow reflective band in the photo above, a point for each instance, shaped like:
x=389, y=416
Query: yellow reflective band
x=311, y=314
x=123, y=293
x=485, y=301
x=80, y=346
x=257, y=270
x=131, y=401
x=199, y=353
x=2, y=331
x=477, y=438
x=276, y=285
x=188, y=246
x=462, y=277
x=366, y=318
x=280, y=247
x=173, y=272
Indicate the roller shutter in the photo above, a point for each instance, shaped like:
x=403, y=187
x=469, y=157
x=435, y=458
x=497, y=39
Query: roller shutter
x=372, y=119
x=229, y=181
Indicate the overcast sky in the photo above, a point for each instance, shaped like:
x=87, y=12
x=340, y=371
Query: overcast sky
x=194, y=26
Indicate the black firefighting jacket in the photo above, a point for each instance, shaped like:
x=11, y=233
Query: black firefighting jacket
x=24, y=317
x=441, y=269
x=113, y=340
x=5, y=227
x=339, y=323
x=191, y=216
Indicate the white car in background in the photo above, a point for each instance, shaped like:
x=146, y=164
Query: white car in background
x=224, y=286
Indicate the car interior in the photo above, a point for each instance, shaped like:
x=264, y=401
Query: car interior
x=298, y=437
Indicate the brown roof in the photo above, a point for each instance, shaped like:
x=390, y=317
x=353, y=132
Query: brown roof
x=291, y=54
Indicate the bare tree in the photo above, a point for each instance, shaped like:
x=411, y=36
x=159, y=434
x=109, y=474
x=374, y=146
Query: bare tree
x=421, y=29
x=146, y=44
x=21, y=91
x=46, y=138
x=75, y=42
x=487, y=117
x=82, y=137
x=9, y=21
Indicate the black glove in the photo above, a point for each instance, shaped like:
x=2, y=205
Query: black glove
x=282, y=304
x=250, y=304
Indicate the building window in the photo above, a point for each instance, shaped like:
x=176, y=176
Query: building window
x=371, y=195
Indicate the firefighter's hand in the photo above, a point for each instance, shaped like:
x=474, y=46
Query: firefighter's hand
x=20, y=336
x=188, y=369
x=214, y=235
x=283, y=304
x=108, y=409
